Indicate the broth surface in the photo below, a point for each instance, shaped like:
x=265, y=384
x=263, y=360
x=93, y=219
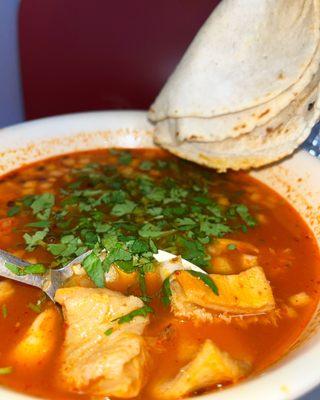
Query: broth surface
x=287, y=252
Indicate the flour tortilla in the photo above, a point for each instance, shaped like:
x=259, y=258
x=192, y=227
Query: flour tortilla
x=262, y=146
x=247, y=53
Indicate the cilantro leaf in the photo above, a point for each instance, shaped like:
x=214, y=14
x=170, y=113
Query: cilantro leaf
x=215, y=229
x=203, y=200
x=193, y=251
x=93, y=267
x=108, y=331
x=143, y=284
x=205, y=279
x=155, y=211
x=149, y=230
x=139, y=246
x=157, y=194
x=185, y=223
x=125, y=158
x=34, y=240
x=4, y=310
x=35, y=269
x=153, y=246
x=42, y=202
x=243, y=212
x=39, y=224
x=28, y=269
x=166, y=291
x=161, y=164
x=143, y=311
x=13, y=210
x=146, y=165
x=14, y=268
x=110, y=241
x=124, y=208
x=35, y=307
x=56, y=249
x=177, y=193
x=118, y=255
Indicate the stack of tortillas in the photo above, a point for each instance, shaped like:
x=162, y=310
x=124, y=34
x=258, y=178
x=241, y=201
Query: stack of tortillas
x=246, y=92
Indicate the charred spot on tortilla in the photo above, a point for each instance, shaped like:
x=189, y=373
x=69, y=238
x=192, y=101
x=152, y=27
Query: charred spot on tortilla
x=264, y=113
x=193, y=137
x=242, y=126
x=310, y=106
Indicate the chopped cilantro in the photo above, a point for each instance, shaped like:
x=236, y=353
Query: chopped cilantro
x=162, y=164
x=13, y=210
x=57, y=249
x=166, y=204
x=108, y=331
x=117, y=255
x=39, y=224
x=150, y=231
x=185, y=223
x=166, y=291
x=244, y=228
x=122, y=209
x=193, y=251
x=34, y=240
x=42, y=202
x=14, y=268
x=146, y=165
x=93, y=267
x=28, y=269
x=6, y=370
x=155, y=211
x=157, y=194
x=143, y=311
x=231, y=246
x=143, y=285
x=35, y=307
x=243, y=211
x=215, y=229
x=139, y=246
x=125, y=158
x=4, y=310
x=153, y=246
x=205, y=279
x=110, y=241
x=35, y=269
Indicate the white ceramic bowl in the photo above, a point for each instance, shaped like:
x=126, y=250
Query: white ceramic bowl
x=297, y=179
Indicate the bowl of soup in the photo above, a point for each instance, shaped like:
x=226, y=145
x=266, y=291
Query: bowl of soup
x=241, y=324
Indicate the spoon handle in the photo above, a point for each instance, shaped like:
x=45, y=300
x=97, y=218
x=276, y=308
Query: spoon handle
x=30, y=279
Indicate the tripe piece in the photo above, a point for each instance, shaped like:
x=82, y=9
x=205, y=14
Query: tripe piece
x=248, y=292
x=40, y=339
x=210, y=366
x=101, y=357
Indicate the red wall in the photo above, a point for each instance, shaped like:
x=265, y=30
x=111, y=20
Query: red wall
x=79, y=55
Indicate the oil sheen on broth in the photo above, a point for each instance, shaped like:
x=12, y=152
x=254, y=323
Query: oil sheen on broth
x=125, y=205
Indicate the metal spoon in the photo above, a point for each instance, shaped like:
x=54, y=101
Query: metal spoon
x=53, y=279
x=49, y=282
